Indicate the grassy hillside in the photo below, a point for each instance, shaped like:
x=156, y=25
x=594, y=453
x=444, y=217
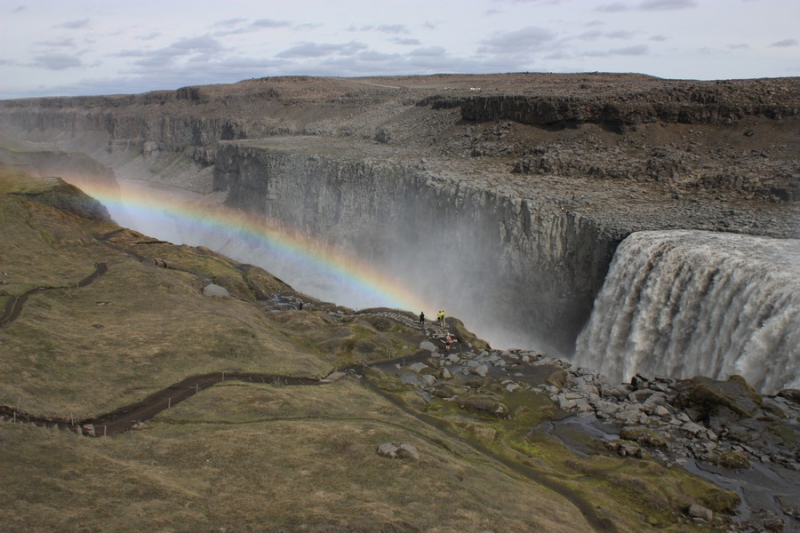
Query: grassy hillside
x=244, y=456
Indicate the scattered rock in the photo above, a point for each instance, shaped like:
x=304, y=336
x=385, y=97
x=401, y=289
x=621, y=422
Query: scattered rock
x=398, y=451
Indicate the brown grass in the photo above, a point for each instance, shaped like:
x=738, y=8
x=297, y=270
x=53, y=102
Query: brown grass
x=268, y=458
x=258, y=457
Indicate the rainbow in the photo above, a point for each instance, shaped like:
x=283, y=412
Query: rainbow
x=361, y=281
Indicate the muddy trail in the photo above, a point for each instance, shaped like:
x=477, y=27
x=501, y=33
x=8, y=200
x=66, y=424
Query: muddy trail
x=130, y=417
x=127, y=417
x=13, y=307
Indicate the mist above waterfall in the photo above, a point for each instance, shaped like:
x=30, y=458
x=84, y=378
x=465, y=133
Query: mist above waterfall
x=443, y=266
x=686, y=303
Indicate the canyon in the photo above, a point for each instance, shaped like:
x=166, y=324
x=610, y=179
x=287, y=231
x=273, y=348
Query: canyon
x=500, y=198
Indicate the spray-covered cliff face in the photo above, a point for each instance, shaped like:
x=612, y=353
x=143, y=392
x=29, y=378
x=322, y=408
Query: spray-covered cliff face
x=499, y=262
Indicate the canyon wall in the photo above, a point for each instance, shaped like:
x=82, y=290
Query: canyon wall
x=503, y=205
x=497, y=261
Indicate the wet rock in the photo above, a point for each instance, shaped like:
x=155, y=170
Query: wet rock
x=417, y=367
x=736, y=460
x=480, y=370
x=707, y=396
x=561, y=379
x=427, y=380
x=793, y=395
x=427, y=345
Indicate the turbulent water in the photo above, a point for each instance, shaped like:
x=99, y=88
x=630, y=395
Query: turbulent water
x=687, y=303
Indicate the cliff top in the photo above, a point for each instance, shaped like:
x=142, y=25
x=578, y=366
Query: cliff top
x=634, y=151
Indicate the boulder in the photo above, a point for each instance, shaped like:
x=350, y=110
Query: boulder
x=417, y=367
x=215, y=290
x=793, y=395
x=480, y=370
x=398, y=451
x=487, y=406
x=707, y=396
x=427, y=345
x=700, y=512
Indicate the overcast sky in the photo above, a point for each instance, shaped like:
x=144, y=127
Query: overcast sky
x=72, y=47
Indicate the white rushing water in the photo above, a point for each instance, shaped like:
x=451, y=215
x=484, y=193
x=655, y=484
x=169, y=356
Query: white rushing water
x=687, y=303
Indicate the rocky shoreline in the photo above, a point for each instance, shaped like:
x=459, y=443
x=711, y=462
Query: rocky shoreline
x=722, y=430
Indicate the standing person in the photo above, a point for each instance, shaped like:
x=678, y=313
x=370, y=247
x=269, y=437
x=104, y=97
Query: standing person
x=422, y=318
x=448, y=341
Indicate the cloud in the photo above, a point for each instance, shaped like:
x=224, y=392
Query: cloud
x=406, y=41
x=74, y=24
x=666, y=5
x=198, y=49
x=597, y=34
x=785, y=43
x=659, y=38
x=383, y=28
x=620, y=34
x=615, y=7
x=306, y=50
x=148, y=36
x=229, y=23
x=648, y=5
x=590, y=35
x=638, y=50
x=392, y=28
x=430, y=51
x=19, y=9
x=269, y=23
x=55, y=61
x=237, y=26
x=64, y=42
x=525, y=40
x=739, y=46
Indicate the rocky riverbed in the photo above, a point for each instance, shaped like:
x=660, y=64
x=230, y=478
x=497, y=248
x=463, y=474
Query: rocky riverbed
x=720, y=430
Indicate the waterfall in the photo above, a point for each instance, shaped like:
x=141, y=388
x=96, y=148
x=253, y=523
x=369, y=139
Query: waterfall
x=687, y=303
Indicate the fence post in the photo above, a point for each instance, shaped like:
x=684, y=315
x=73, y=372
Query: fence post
x=105, y=429
x=223, y=375
x=169, y=403
x=196, y=388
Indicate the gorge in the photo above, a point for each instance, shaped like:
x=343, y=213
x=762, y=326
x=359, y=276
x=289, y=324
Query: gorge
x=504, y=208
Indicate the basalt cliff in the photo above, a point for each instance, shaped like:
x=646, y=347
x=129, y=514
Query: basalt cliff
x=502, y=197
